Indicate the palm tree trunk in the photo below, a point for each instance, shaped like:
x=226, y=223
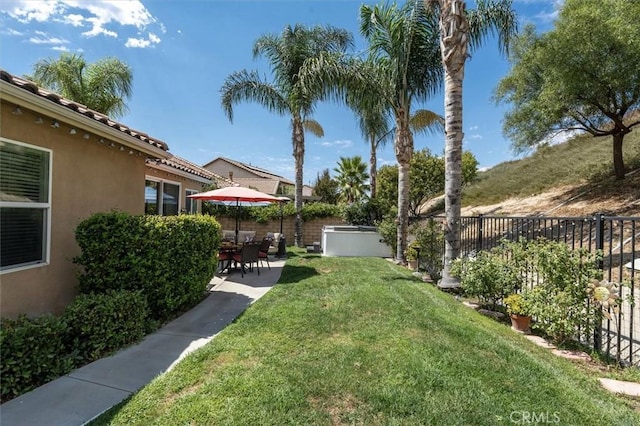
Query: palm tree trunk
x=404, y=152
x=373, y=167
x=453, y=44
x=298, y=156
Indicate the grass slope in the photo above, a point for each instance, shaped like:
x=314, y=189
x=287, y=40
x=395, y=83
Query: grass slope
x=581, y=159
x=361, y=341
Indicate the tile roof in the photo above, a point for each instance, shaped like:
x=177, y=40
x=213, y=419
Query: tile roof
x=31, y=87
x=184, y=165
x=269, y=186
x=265, y=174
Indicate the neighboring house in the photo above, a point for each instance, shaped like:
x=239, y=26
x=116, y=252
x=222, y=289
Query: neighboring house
x=169, y=182
x=60, y=163
x=251, y=176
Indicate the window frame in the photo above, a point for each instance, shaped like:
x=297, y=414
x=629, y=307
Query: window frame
x=194, y=203
x=161, y=183
x=46, y=233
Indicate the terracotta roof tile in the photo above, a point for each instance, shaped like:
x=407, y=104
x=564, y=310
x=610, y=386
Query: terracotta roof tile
x=256, y=170
x=79, y=108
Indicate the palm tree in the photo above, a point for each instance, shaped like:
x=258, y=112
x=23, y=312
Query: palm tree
x=286, y=95
x=352, y=177
x=403, y=67
x=102, y=86
x=458, y=28
x=374, y=126
x=373, y=120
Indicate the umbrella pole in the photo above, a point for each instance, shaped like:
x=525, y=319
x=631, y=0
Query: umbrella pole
x=237, y=217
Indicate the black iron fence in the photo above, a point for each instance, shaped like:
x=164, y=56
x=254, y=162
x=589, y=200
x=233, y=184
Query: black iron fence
x=617, y=238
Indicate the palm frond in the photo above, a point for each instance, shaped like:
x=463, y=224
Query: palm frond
x=313, y=127
x=246, y=85
x=426, y=122
x=492, y=17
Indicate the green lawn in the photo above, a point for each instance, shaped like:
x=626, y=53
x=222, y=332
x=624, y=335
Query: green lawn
x=361, y=341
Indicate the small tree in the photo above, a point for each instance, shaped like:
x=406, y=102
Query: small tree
x=326, y=188
x=582, y=76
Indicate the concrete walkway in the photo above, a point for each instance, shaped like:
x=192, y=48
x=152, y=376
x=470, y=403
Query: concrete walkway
x=87, y=392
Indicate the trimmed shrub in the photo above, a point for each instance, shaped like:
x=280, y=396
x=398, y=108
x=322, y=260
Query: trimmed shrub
x=98, y=324
x=170, y=259
x=33, y=353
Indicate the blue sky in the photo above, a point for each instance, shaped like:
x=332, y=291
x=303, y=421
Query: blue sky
x=182, y=50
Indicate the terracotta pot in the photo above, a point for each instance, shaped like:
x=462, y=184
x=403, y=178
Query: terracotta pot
x=520, y=323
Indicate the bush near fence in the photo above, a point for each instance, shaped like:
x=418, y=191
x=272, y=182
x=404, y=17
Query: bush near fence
x=617, y=238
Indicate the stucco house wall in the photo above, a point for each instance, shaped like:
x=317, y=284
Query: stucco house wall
x=96, y=166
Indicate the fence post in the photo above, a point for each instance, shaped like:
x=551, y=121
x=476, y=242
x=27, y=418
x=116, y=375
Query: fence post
x=599, y=219
x=480, y=234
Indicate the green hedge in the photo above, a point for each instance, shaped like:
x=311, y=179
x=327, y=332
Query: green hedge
x=38, y=350
x=264, y=214
x=33, y=353
x=170, y=259
x=99, y=324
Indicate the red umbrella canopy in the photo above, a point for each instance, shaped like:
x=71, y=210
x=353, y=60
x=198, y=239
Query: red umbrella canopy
x=234, y=193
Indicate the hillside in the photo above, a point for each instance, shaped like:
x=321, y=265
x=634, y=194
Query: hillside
x=569, y=179
x=609, y=197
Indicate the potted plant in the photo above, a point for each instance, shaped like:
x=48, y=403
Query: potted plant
x=411, y=253
x=518, y=310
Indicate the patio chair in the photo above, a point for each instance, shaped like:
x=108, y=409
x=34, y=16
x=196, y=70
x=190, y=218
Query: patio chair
x=264, y=250
x=248, y=256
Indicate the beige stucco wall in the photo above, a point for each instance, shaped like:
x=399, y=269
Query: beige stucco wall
x=87, y=177
x=223, y=168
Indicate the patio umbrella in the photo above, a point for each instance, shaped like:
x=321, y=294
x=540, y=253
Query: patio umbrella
x=236, y=195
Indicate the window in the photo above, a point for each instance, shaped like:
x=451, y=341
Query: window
x=25, y=204
x=190, y=205
x=161, y=198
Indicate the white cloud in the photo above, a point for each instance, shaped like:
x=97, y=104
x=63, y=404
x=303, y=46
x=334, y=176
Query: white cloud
x=44, y=39
x=472, y=128
x=339, y=143
x=137, y=42
x=104, y=17
x=26, y=11
x=60, y=48
x=74, y=20
x=475, y=136
x=12, y=32
x=142, y=42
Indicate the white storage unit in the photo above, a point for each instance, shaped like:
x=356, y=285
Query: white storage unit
x=343, y=240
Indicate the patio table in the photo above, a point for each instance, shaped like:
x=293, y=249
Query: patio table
x=229, y=250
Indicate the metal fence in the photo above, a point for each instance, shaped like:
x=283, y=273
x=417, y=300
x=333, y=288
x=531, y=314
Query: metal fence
x=617, y=238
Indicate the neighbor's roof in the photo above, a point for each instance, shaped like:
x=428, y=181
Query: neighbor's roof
x=184, y=165
x=80, y=109
x=268, y=186
x=265, y=174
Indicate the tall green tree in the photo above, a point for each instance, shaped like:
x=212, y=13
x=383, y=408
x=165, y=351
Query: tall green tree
x=352, y=179
x=584, y=75
x=326, y=188
x=460, y=29
x=287, y=95
x=403, y=68
x=103, y=86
